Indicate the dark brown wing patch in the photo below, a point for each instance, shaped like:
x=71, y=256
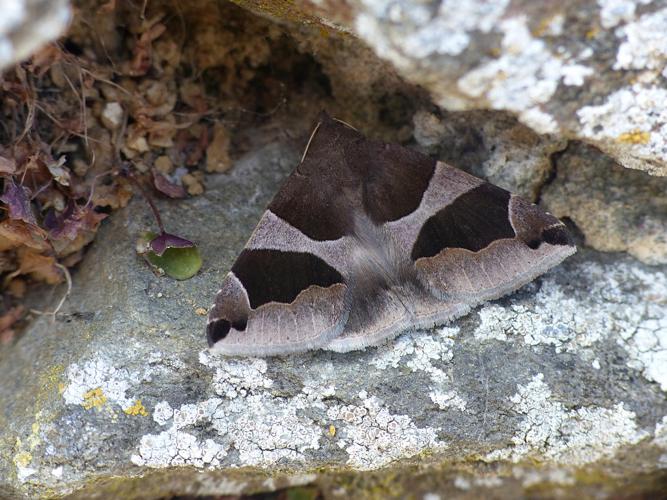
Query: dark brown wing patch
x=344, y=173
x=473, y=221
x=557, y=235
x=277, y=276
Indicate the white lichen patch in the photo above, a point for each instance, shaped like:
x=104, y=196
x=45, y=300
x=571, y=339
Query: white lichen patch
x=573, y=437
x=524, y=76
x=176, y=446
x=634, y=117
x=645, y=42
x=163, y=412
x=264, y=429
x=237, y=377
x=638, y=321
x=449, y=399
x=418, y=352
x=403, y=32
x=660, y=435
x=373, y=437
x=97, y=381
x=173, y=447
x=615, y=12
x=543, y=321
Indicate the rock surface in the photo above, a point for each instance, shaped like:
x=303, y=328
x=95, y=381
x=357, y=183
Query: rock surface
x=570, y=373
x=593, y=71
x=27, y=25
x=559, y=389
x=616, y=209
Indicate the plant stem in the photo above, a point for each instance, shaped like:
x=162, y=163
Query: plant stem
x=148, y=198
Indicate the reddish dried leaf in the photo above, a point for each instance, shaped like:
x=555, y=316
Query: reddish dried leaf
x=17, y=198
x=141, y=62
x=16, y=233
x=165, y=186
x=7, y=320
x=7, y=165
x=73, y=229
x=40, y=267
x=42, y=61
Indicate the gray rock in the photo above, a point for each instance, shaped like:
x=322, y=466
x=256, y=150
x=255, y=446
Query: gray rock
x=570, y=373
x=27, y=25
x=491, y=145
x=593, y=71
x=617, y=210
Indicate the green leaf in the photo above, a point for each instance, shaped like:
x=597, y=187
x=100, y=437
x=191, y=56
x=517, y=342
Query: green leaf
x=175, y=257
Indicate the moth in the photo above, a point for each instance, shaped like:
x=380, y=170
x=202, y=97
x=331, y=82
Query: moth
x=366, y=239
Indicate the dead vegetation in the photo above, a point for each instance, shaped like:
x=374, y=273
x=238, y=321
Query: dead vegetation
x=131, y=92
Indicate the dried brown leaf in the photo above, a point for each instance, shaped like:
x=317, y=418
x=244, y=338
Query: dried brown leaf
x=7, y=320
x=114, y=196
x=59, y=172
x=39, y=266
x=73, y=229
x=16, y=233
x=7, y=165
x=166, y=186
x=217, y=153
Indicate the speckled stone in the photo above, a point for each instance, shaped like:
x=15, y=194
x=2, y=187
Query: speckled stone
x=120, y=394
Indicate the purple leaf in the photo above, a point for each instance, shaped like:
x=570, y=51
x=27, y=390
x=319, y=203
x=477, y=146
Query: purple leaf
x=72, y=221
x=160, y=243
x=17, y=199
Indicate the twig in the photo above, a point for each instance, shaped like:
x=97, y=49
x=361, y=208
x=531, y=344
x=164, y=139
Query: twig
x=68, y=278
x=305, y=152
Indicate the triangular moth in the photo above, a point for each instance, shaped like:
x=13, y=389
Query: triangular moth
x=366, y=239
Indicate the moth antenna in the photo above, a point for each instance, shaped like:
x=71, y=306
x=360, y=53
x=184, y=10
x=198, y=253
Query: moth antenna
x=305, y=152
x=346, y=124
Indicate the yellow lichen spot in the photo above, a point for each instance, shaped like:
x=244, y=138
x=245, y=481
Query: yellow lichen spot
x=332, y=431
x=592, y=33
x=200, y=311
x=23, y=458
x=544, y=26
x=94, y=398
x=136, y=409
x=61, y=387
x=495, y=52
x=33, y=438
x=634, y=137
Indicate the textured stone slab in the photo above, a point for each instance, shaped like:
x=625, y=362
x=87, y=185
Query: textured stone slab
x=569, y=372
x=591, y=70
